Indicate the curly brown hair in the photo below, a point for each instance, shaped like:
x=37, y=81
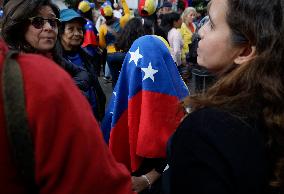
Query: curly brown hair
x=255, y=90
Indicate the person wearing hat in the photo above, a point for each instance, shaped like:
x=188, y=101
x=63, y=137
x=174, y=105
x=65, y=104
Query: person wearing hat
x=67, y=154
x=147, y=9
x=33, y=28
x=107, y=37
x=166, y=7
x=71, y=38
x=90, y=43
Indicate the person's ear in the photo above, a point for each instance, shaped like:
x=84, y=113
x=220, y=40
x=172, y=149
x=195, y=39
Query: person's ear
x=246, y=54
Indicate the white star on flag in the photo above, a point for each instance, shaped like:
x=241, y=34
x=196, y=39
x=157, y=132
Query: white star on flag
x=149, y=72
x=135, y=56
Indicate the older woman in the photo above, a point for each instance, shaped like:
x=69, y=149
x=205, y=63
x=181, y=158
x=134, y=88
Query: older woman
x=187, y=29
x=32, y=27
x=71, y=38
x=69, y=153
x=35, y=30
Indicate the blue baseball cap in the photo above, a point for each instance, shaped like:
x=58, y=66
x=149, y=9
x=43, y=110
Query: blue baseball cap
x=167, y=4
x=67, y=15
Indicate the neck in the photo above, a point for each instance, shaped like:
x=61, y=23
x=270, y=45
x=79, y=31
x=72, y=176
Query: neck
x=69, y=48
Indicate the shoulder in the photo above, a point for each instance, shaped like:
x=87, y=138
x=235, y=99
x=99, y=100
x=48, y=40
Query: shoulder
x=217, y=127
x=37, y=66
x=214, y=148
x=43, y=77
x=183, y=27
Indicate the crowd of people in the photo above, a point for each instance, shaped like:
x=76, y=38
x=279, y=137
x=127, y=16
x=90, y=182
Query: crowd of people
x=196, y=104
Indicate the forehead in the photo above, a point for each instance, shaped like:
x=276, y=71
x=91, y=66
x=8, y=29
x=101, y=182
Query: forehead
x=46, y=11
x=74, y=23
x=217, y=9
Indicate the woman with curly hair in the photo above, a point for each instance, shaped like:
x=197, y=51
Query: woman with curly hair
x=233, y=140
x=134, y=28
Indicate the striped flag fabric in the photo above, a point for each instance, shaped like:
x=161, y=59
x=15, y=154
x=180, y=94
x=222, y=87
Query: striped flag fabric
x=90, y=36
x=144, y=109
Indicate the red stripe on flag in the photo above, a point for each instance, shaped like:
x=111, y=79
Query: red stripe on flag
x=90, y=39
x=145, y=127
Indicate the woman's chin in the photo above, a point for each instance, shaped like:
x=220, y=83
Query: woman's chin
x=199, y=61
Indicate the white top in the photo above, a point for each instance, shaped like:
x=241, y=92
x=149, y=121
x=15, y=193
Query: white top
x=101, y=20
x=176, y=43
x=117, y=13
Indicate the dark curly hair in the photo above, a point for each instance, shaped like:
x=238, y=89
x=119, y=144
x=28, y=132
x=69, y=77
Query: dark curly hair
x=168, y=20
x=255, y=90
x=134, y=28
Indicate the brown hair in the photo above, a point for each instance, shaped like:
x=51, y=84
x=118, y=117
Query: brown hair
x=256, y=89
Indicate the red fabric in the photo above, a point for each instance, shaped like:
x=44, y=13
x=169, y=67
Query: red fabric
x=140, y=8
x=90, y=38
x=191, y=27
x=71, y=156
x=134, y=137
x=186, y=3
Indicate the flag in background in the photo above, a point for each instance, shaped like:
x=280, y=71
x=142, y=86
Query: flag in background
x=144, y=109
x=90, y=35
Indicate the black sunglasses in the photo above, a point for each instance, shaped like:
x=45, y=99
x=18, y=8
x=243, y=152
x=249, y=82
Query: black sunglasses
x=38, y=22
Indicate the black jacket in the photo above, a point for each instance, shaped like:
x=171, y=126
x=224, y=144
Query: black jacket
x=213, y=151
x=88, y=79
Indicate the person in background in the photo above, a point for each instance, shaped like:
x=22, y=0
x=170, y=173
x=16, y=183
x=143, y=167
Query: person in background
x=70, y=155
x=71, y=37
x=107, y=36
x=117, y=10
x=90, y=43
x=134, y=28
x=166, y=7
x=181, y=5
x=106, y=72
x=232, y=141
x=187, y=30
x=147, y=9
x=171, y=23
x=28, y=28
x=42, y=37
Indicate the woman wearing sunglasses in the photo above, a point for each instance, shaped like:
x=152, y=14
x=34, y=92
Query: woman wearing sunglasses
x=70, y=156
x=32, y=27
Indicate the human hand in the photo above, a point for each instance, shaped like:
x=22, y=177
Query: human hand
x=139, y=184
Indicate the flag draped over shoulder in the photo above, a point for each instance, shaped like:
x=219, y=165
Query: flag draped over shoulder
x=145, y=108
x=90, y=35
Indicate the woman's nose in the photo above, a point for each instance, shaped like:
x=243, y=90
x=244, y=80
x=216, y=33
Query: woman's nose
x=77, y=32
x=47, y=26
